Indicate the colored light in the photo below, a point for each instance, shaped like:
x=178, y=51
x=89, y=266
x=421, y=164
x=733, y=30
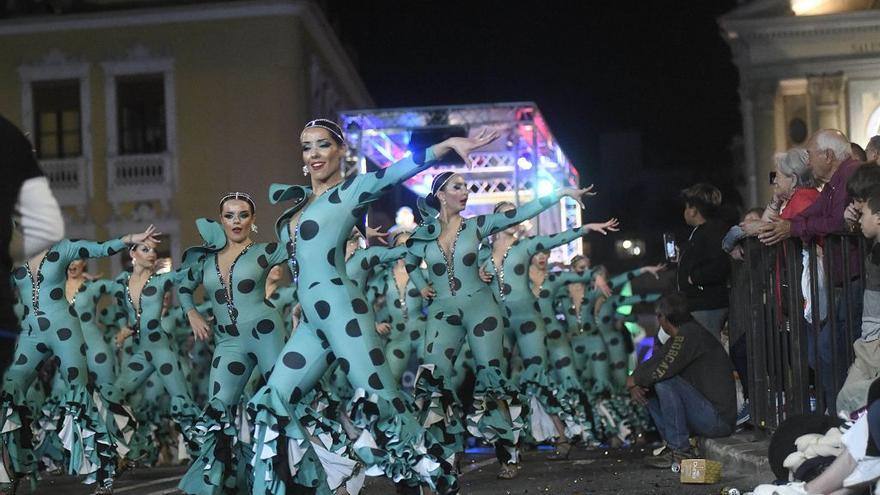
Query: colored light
x=523, y=163
x=627, y=244
x=545, y=187
x=637, y=250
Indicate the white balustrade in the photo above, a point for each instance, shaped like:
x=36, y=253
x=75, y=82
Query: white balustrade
x=69, y=180
x=139, y=178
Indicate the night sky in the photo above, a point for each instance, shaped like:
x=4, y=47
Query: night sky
x=656, y=67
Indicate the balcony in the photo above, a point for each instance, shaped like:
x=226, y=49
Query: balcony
x=70, y=181
x=132, y=178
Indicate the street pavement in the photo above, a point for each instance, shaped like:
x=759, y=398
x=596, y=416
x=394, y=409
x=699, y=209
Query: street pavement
x=587, y=472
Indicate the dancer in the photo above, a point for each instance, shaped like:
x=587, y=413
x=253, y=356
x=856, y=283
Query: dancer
x=510, y=261
x=464, y=307
x=408, y=322
x=249, y=333
x=338, y=322
x=51, y=326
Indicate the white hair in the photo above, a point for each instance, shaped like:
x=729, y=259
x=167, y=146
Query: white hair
x=793, y=163
x=829, y=139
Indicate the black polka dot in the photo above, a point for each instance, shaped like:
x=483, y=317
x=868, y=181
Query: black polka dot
x=353, y=328
x=135, y=366
x=150, y=291
x=528, y=327
x=64, y=333
x=438, y=269
x=377, y=357
x=20, y=272
x=294, y=360
x=53, y=256
x=359, y=306
x=22, y=359
x=85, y=317
x=469, y=259
x=72, y=373
x=323, y=309
x=265, y=326
x=398, y=354
x=154, y=337
x=148, y=355
x=44, y=323
x=334, y=197
x=220, y=296
x=308, y=229
x=375, y=382
x=519, y=269
x=166, y=369
x=152, y=324
x=216, y=389
x=343, y=365
x=246, y=286
x=56, y=294
x=235, y=368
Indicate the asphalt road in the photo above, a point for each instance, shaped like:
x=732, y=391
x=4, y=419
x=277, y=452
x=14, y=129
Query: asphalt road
x=587, y=472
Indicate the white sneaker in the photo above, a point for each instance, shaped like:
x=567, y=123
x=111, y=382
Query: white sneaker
x=796, y=488
x=867, y=469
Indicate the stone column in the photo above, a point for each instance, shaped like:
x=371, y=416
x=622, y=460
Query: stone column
x=758, y=98
x=826, y=98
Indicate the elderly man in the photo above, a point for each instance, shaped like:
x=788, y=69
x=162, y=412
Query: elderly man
x=831, y=163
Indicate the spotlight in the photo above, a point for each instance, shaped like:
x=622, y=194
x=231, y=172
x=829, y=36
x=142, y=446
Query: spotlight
x=524, y=163
x=545, y=187
x=627, y=244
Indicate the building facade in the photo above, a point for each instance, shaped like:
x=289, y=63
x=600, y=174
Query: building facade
x=148, y=115
x=804, y=65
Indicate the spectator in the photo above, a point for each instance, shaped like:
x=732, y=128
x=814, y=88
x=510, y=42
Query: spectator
x=858, y=153
x=872, y=150
x=731, y=242
x=866, y=368
x=692, y=383
x=859, y=187
x=26, y=193
x=703, y=267
x=831, y=163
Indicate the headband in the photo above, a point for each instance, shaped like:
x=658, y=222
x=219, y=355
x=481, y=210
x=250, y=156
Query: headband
x=440, y=180
x=242, y=196
x=328, y=125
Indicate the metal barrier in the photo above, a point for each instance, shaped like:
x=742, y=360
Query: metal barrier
x=788, y=372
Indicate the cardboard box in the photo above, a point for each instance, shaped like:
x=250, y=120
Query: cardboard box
x=700, y=471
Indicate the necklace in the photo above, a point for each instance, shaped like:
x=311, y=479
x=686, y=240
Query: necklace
x=230, y=306
x=140, y=306
x=35, y=282
x=500, y=270
x=450, y=258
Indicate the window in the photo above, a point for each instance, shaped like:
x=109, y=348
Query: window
x=57, y=129
x=140, y=102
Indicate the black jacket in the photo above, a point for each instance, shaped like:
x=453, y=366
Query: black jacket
x=707, y=266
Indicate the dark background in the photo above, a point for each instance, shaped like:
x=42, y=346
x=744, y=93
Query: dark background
x=642, y=95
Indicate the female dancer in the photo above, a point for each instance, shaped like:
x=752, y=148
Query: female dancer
x=249, y=332
x=282, y=297
x=463, y=306
x=51, y=326
x=337, y=321
x=141, y=296
x=510, y=261
x=404, y=303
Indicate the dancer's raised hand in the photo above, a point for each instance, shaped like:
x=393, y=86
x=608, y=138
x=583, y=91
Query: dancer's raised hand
x=151, y=235
x=604, y=227
x=464, y=146
x=578, y=195
x=654, y=270
x=377, y=233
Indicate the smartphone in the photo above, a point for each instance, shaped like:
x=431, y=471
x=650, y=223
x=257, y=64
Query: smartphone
x=669, y=244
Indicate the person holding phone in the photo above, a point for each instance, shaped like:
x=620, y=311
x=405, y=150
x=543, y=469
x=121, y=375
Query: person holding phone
x=703, y=267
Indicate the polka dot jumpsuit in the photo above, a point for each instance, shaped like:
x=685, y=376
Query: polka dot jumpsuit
x=248, y=333
x=464, y=307
x=51, y=327
x=338, y=326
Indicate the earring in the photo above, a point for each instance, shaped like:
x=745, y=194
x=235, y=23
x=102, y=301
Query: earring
x=254, y=228
x=305, y=170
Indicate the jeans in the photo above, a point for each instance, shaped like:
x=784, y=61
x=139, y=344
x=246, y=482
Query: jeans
x=680, y=411
x=712, y=320
x=825, y=370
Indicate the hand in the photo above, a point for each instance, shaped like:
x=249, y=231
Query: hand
x=601, y=283
x=464, y=146
x=852, y=214
x=383, y=328
x=201, y=329
x=774, y=232
x=378, y=234
x=577, y=194
x=654, y=270
x=428, y=292
x=123, y=334
x=485, y=276
x=752, y=227
x=738, y=253
x=639, y=395
x=164, y=264
x=603, y=228
x=295, y=315
x=151, y=234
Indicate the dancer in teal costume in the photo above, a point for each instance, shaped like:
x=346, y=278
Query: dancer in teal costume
x=247, y=332
x=407, y=320
x=510, y=263
x=339, y=326
x=463, y=307
x=141, y=295
x=51, y=327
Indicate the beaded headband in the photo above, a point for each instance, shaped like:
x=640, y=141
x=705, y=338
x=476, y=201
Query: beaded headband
x=328, y=125
x=243, y=196
x=435, y=188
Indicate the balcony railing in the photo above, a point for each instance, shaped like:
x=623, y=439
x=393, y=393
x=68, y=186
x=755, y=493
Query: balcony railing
x=786, y=372
x=139, y=178
x=69, y=180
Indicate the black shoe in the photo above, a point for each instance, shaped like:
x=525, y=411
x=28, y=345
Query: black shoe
x=669, y=458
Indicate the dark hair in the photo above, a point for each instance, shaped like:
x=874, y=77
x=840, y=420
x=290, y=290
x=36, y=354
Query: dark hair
x=576, y=258
x=328, y=125
x=706, y=198
x=873, y=144
x=758, y=211
x=858, y=152
x=873, y=199
x=238, y=196
x=674, y=307
x=863, y=180
x=502, y=204
x=437, y=184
